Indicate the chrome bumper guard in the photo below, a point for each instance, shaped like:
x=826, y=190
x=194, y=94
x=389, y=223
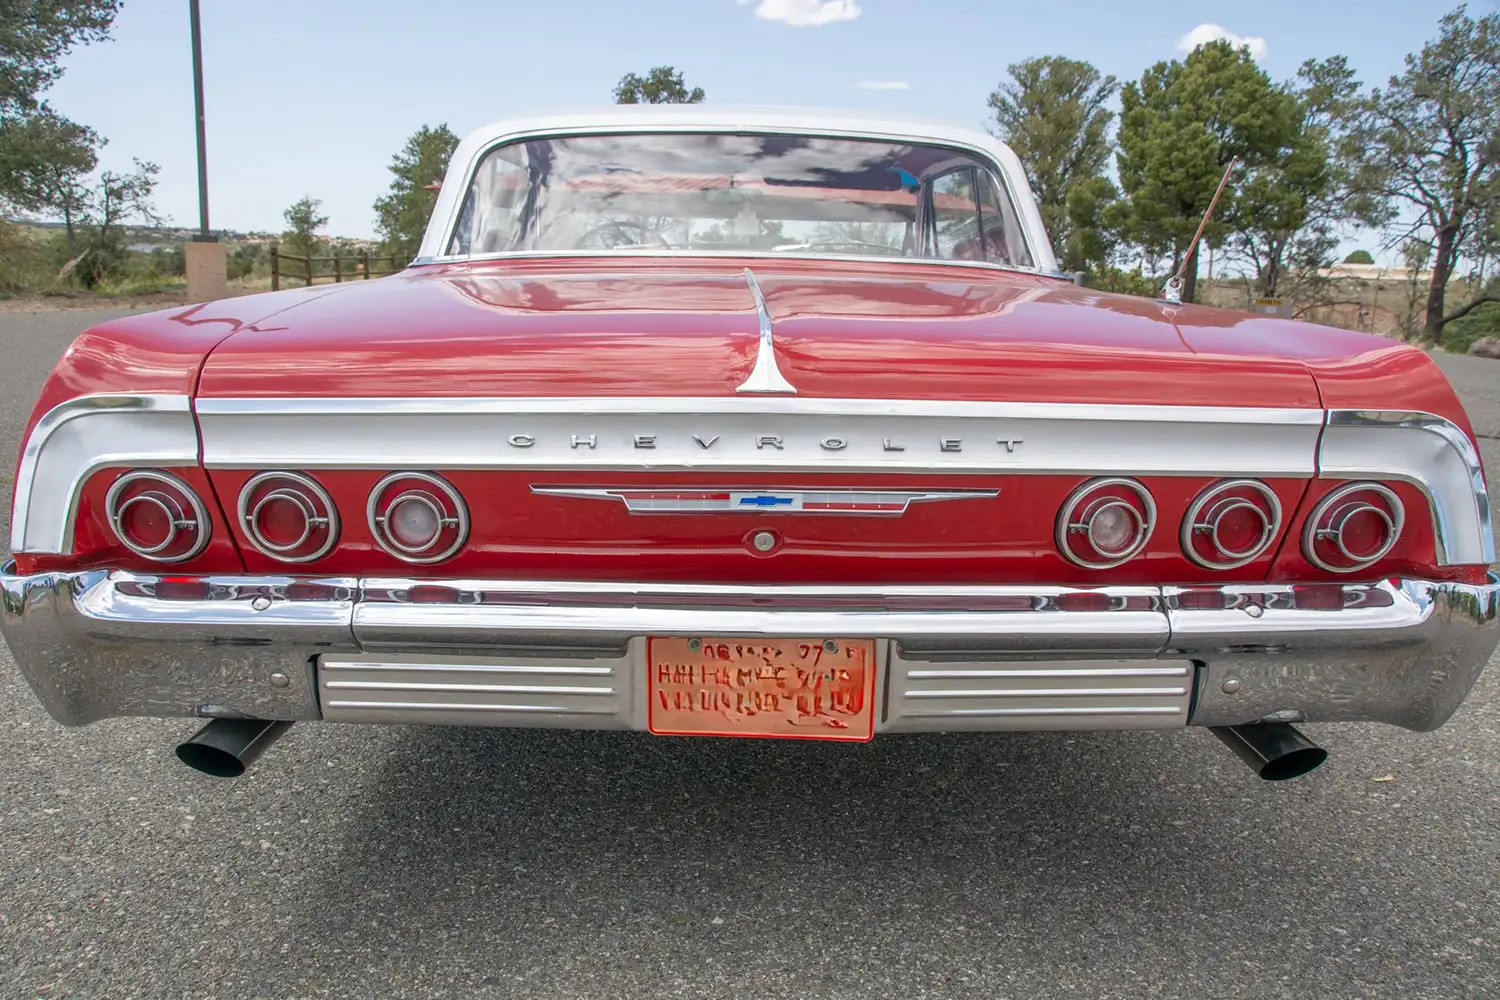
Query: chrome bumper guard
x=102, y=643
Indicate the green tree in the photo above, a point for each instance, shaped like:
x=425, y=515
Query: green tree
x=401, y=213
x=1180, y=126
x=1428, y=151
x=44, y=162
x=1053, y=112
x=113, y=201
x=34, y=37
x=303, y=219
x=1360, y=257
x=662, y=85
x=1292, y=203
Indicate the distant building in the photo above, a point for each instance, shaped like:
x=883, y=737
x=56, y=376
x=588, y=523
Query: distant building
x=1376, y=272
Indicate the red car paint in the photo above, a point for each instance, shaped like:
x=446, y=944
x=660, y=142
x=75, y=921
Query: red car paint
x=676, y=327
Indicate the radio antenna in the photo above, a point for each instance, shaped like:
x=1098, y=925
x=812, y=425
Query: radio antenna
x=1172, y=294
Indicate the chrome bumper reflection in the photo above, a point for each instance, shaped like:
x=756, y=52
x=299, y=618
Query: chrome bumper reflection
x=100, y=644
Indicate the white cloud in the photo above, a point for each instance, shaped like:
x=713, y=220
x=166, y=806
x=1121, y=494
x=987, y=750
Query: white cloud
x=884, y=85
x=1211, y=32
x=805, y=13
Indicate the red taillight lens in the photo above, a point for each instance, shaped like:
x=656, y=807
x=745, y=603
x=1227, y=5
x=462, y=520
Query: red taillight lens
x=1231, y=524
x=288, y=516
x=156, y=515
x=418, y=517
x=1353, y=527
x=1106, y=522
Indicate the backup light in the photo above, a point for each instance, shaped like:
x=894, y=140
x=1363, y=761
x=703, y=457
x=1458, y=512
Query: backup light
x=417, y=517
x=1106, y=522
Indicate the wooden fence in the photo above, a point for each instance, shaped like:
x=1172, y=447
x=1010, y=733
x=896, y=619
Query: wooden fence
x=332, y=268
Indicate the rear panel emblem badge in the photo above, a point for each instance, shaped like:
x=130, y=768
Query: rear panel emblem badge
x=728, y=501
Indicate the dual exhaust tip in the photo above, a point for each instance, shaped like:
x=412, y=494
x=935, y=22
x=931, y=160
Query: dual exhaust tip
x=1273, y=750
x=225, y=748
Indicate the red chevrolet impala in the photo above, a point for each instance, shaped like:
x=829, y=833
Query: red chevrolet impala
x=760, y=424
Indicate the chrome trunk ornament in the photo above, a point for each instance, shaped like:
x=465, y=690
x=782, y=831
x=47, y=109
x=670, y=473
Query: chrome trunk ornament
x=765, y=376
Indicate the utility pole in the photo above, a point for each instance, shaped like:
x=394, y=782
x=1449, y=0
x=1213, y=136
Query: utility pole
x=203, y=257
x=204, y=236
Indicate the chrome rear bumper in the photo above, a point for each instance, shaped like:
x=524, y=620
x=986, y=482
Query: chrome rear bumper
x=99, y=644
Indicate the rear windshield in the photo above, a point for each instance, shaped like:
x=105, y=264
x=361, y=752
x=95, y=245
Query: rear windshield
x=702, y=192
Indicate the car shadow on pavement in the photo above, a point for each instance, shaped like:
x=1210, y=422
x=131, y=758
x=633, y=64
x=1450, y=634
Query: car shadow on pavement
x=537, y=850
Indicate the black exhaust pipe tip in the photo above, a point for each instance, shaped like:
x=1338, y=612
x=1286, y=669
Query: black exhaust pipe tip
x=1274, y=750
x=225, y=748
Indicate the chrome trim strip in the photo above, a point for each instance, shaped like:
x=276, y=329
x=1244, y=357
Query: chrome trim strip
x=765, y=376
x=729, y=255
x=700, y=500
x=77, y=438
x=756, y=432
x=1428, y=451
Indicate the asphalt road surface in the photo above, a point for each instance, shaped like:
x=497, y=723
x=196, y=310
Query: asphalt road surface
x=422, y=862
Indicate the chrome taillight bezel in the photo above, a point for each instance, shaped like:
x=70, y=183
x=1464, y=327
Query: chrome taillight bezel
x=198, y=522
x=1067, y=525
x=1208, y=510
x=443, y=497
x=329, y=517
x=1394, y=518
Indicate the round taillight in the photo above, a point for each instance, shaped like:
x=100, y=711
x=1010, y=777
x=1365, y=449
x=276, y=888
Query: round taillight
x=1353, y=527
x=1231, y=524
x=1106, y=522
x=288, y=516
x=156, y=515
x=418, y=517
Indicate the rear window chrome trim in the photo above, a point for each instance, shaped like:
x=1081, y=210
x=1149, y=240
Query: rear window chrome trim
x=436, y=241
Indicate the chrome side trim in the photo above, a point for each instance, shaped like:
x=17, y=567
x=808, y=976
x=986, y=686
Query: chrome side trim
x=1428, y=451
x=765, y=376
x=756, y=432
x=76, y=439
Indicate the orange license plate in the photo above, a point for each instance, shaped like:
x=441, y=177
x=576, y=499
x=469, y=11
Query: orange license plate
x=815, y=689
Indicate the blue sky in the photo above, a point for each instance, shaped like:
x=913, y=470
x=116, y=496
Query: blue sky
x=313, y=97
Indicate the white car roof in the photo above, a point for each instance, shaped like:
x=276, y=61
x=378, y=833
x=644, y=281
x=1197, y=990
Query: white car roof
x=710, y=118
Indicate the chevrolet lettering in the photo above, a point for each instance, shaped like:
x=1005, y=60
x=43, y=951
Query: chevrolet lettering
x=710, y=423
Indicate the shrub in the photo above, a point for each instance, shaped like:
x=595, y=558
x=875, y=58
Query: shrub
x=1484, y=321
x=1359, y=257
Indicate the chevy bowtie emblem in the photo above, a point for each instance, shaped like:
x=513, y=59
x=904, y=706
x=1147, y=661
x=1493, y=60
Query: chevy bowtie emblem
x=726, y=501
